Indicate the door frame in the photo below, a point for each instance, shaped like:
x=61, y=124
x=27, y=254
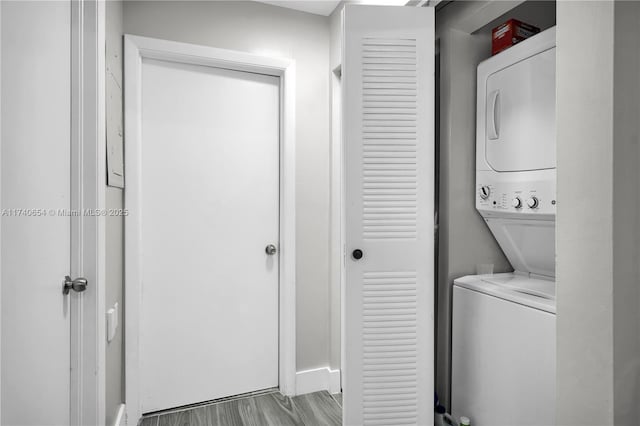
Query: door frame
x=88, y=180
x=88, y=186
x=135, y=49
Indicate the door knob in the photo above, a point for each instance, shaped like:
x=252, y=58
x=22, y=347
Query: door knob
x=271, y=249
x=357, y=254
x=79, y=285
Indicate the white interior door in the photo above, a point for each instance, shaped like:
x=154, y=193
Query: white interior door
x=36, y=90
x=209, y=176
x=388, y=83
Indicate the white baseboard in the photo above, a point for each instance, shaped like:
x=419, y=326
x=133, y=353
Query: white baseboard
x=317, y=379
x=120, y=420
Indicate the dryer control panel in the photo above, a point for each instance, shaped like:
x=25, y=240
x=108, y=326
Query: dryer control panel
x=511, y=195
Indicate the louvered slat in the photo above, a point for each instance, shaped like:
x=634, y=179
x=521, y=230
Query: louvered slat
x=381, y=108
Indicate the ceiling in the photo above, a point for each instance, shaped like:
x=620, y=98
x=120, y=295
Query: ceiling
x=325, y=7
x=318, y=7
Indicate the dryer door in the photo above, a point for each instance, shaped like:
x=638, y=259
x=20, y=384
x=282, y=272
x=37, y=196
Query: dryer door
x=520, y=115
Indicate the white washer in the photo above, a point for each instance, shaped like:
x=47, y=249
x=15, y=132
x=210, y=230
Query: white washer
x=503, y=332
x=504, y=350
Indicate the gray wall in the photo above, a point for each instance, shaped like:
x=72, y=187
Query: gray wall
x=336, y=36
x=463, y=30
x=598, y=222
x=335, y=261
x=464, y=239
x=114, y=392
x=626, y=214
x=274, y=31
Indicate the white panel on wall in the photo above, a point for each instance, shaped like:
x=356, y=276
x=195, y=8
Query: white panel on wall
x=388, y=81
x=115, y=149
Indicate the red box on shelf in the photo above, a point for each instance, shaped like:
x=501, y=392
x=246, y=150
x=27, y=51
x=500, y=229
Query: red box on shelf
x=511, y=32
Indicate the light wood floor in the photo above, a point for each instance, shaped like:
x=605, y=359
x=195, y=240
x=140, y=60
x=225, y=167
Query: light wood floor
x=266, y=409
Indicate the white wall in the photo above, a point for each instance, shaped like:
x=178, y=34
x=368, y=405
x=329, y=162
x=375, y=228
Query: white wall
x=584, y=233
x=114, y=262
x=274, y=31
x=598, y=221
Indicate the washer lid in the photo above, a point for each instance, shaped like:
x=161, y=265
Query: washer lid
x=522, y=289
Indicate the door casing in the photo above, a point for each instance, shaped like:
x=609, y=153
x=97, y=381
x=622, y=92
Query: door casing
x=137, y=48
x=88, y=192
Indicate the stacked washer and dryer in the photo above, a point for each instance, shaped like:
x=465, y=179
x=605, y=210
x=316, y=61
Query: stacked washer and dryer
x=503, y=331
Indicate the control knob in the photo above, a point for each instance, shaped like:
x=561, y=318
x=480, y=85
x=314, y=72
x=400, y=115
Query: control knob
x=485, y=191
x=517, y=203
x=532, y=202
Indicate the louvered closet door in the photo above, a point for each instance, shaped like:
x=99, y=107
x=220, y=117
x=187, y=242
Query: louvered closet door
x=388, y=81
